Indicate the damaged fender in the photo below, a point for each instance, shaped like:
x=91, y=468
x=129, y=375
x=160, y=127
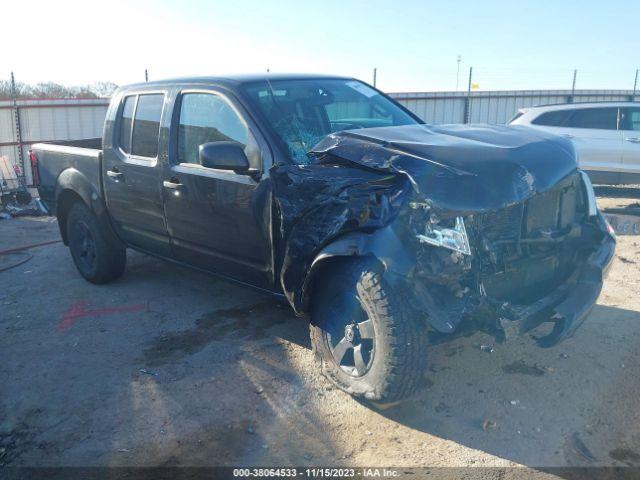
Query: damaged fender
x=384, y=246
x=326, y=212
x=72, y=181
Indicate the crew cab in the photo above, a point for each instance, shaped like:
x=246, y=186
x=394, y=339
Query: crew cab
x=323, y=191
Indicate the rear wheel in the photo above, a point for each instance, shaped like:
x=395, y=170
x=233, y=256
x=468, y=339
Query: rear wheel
x=364, y=334
x=98, y=259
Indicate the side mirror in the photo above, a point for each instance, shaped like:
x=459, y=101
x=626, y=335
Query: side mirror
x=223, y=156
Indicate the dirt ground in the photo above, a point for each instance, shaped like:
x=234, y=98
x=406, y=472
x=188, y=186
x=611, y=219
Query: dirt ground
x=171, y=367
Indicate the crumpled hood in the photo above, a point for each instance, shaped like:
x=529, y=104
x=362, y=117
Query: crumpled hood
x=459, y=168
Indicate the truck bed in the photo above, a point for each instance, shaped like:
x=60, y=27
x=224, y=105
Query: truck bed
x=88, y=143
x=54, y=158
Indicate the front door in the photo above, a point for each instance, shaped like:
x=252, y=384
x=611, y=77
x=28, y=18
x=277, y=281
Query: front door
x=631, y=139
x=132, y=176
x=218, y=220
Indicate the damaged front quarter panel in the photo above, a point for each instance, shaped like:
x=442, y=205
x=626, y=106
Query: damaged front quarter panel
x=426, y=202
x=327, y=210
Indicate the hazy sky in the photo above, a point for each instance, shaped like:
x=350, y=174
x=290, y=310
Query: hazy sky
x=512, y=44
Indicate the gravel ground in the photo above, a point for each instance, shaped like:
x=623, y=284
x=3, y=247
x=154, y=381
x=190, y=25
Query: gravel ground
x=171, y=367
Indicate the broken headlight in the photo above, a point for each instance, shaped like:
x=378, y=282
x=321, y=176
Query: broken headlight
x=453, y=237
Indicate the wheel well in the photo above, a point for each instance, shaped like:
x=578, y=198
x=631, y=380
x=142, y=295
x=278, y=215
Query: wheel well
x=65, y=200
x=326, y=267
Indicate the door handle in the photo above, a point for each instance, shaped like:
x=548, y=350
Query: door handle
x=173, y=184
x=633, y=139
x=115, y=175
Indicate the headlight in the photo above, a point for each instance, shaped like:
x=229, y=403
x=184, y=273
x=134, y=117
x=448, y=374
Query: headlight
x=454, y=238
x=591, y=195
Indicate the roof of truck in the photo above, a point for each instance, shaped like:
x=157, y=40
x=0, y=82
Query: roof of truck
x=237, y=79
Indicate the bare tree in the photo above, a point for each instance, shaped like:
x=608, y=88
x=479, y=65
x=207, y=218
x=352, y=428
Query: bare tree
x=51, y=90
x=55, y=90
x=22, y=90
x=103, y=89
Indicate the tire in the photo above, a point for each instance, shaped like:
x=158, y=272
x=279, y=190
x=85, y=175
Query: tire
x=23, y=197
x=97, y=258
x=393, y=361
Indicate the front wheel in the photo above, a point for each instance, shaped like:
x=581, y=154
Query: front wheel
x=364, y=334
x=98, y=258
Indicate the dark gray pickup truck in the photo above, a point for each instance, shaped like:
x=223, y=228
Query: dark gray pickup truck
x=322, y=190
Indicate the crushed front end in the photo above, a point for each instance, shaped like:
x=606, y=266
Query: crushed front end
x=536, y=261
x=482, y=227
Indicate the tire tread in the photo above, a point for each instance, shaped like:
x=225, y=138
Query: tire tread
x=112, y=258
x=406, y=333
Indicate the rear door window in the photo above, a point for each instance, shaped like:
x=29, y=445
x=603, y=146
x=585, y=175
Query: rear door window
x=555, y=118
x=146, y=125
x=595, y=118
x=125, y=123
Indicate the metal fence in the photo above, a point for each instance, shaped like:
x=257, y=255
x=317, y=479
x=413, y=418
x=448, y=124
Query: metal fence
x=25, y=122
x=495, y=107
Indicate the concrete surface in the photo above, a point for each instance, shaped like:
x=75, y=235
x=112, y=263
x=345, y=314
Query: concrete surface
x=171, y=367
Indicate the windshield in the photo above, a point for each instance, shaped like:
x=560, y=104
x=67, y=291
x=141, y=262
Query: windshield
x=302, y=112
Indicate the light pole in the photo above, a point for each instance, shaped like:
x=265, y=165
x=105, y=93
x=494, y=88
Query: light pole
x=458, y=72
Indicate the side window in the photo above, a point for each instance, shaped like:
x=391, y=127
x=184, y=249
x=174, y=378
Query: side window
x=598, y=118
x=125, y=123
x=555, y=118
x=631, y=119
x=146, y=125
x=205, y=118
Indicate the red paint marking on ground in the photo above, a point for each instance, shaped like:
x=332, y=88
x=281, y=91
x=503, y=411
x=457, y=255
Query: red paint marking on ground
x=80, y=309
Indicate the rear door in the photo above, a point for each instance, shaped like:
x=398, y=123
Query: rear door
x=631, y=139
x=132, y=172
x=595, y=134
x=218, y=220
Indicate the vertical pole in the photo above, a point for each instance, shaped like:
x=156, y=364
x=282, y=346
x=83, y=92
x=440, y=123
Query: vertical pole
x=573, y=86
x=635, y=87
x=458, y=72
x=375, y=76
x=146, y=75
x=16, y=117
x=467, y=103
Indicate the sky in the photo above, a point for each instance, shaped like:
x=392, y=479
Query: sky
x=511, y=45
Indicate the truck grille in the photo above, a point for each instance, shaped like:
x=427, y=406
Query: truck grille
x=517, y=261
x=503, y=225
x=541, y=215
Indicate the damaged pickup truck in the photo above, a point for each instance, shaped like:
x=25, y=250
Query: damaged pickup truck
x=374, y=226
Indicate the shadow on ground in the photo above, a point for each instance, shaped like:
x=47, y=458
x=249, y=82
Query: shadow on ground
x=575, y=404
x=208, y=373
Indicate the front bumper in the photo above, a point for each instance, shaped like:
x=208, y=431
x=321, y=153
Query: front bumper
x=570, y=303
